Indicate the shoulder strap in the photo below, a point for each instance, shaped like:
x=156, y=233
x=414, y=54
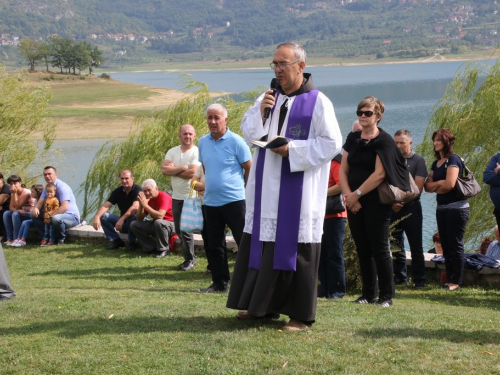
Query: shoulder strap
x=465, y=168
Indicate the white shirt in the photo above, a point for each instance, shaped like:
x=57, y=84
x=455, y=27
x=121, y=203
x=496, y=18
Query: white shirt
x=181, y=186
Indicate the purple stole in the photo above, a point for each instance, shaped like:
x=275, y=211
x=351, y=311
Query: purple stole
x=290, y=195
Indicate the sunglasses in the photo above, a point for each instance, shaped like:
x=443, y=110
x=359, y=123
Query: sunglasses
x=366, y=113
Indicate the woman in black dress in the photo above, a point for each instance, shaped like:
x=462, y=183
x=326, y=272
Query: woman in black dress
x=369, y=157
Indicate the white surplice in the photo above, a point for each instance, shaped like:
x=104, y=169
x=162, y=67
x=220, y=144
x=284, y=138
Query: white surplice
x=312, y=156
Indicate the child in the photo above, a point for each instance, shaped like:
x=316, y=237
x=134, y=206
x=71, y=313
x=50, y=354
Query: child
x=50, y=208
x=36, y=191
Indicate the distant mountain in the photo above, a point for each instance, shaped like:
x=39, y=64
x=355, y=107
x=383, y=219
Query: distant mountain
x=222, y=28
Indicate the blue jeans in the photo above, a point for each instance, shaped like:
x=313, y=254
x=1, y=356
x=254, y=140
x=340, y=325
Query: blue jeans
x=108, y=222
x=49, y=233
x=331, y=272
x=60, y=222
x=25, y=228
x=451, y=227
x=12, y=222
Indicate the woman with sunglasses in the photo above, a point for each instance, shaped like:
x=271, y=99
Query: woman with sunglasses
x=452, y=213
x=369, y=157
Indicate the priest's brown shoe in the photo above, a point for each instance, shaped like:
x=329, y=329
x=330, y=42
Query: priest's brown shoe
x=295, y=325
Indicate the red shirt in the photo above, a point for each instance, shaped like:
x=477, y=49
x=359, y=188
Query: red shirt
x=163, y=201
x=334, y=180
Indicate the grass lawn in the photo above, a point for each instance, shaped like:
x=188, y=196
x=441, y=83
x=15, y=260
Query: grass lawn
x=82, y=309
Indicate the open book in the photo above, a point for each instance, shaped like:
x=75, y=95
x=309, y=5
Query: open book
x=277, y=141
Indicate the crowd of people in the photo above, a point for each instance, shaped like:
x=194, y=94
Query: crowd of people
x=274, y=202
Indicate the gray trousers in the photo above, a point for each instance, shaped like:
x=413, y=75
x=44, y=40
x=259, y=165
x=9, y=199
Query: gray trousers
x=153, y=235
x=6, y=290
x=186, y=237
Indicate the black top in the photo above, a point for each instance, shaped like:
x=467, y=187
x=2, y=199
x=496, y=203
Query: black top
x=5, y=190
x=416, y=166
x=362, y=157
x=124, y=200
x=439, y=174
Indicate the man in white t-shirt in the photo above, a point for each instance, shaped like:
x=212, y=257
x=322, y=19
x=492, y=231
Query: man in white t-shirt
x=180, y=164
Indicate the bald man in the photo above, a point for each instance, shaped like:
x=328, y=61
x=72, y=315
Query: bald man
x=180, y=164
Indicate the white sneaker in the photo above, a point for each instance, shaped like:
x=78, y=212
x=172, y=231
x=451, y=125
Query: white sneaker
x=21, y=243
x=10, y=243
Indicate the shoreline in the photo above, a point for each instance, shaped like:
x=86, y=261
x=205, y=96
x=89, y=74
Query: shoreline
x=433, y=59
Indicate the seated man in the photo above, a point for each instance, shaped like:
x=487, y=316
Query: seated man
x=493, y=251
x=125, y=197
x=67, y=215
x=153, y=235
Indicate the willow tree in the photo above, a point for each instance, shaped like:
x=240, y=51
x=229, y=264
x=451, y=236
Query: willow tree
x=470, y=108
x=22, y=120
x=149, y=139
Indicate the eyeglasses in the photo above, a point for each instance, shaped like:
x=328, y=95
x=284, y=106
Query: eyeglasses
x=366, y=113
x=282, y=65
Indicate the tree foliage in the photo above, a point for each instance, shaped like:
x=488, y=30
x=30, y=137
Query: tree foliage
x=65, y=54
x=470, y=108
x=143, y=152
x=214, y=29
x=29, y=50
x=22, y=115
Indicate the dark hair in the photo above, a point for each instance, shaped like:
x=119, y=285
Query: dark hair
x=483, y=247
x=448, y=139
x=50, y=185
x=50, y=167
x=38, y=188
x=436, y=238
x=1, y=175
x=13, y=178
x=401, y=132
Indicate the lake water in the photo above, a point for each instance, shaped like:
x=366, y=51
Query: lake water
x=409, y=92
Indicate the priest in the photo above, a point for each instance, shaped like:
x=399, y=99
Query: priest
x=277, y=263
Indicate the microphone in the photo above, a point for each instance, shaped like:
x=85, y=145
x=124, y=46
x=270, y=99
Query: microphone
x=275, y=84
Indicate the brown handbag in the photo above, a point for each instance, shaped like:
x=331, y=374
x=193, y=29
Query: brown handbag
x=390, y=194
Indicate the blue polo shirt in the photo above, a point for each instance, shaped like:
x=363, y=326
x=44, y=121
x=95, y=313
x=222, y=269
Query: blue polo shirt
x=224, y=180
x=64, y=193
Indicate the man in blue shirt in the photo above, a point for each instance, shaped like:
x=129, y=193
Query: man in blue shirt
x=493, y=251
x=226, y=160
x=67, y=216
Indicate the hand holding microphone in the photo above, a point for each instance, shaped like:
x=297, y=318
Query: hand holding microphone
x=269, y=99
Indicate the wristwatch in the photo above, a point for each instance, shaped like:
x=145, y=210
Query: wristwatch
x=358, y=192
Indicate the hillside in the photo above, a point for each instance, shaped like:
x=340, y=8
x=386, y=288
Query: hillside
x=145, y=31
